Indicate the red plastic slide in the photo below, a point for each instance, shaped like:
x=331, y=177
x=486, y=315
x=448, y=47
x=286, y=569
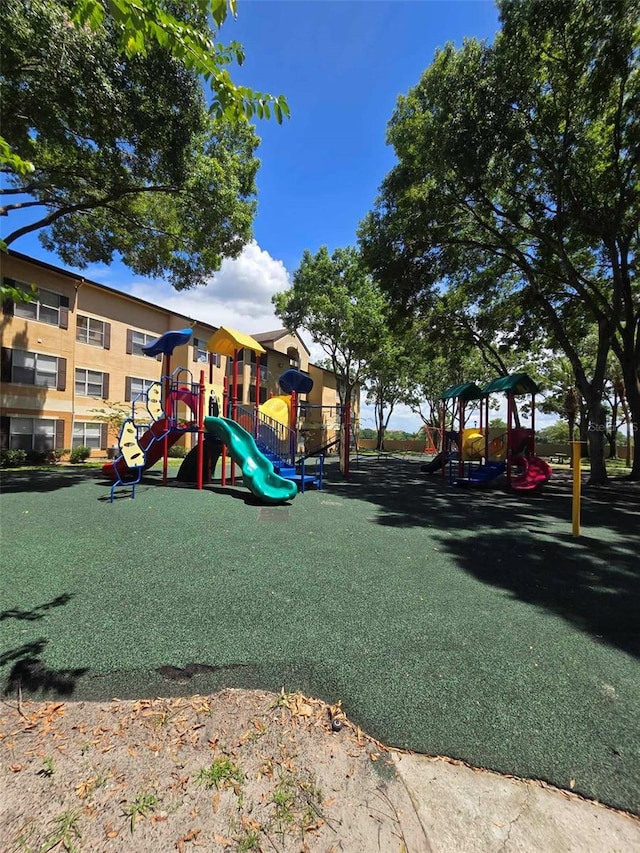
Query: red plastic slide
x=536, y=473
x=152, y=443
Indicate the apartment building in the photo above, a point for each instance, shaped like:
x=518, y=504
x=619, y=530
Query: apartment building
x=77, y=348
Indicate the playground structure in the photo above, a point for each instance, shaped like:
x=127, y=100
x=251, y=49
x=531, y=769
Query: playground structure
x=482, y=455
x=262, y=441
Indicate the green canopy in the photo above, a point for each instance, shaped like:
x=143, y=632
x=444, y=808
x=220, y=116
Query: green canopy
x=466, y=391
x=517, y=383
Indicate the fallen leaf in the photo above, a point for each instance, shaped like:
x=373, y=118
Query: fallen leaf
x=158, y=818
x=85, y=788
x=16, y=768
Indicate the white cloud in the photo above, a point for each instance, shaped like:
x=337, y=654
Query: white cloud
x=239, y=295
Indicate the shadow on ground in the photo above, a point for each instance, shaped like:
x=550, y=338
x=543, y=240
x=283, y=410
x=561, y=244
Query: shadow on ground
x=29, y=672
x=45, y=481
x=523, y=543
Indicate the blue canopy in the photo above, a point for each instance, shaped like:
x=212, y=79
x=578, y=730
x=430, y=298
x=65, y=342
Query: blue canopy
x=295, y=380
x=166, y=343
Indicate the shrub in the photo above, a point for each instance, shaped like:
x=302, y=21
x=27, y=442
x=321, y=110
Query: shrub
x=57, y=454
x=12, y=458
x=177, y=452
x=79, y=454
x=37, y=457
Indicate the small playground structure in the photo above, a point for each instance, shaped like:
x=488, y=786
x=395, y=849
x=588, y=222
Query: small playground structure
x=261, y=441
x=481, y=454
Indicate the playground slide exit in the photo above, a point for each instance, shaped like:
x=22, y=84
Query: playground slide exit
x=152, y=442
x=257, y=471
x=536, y=472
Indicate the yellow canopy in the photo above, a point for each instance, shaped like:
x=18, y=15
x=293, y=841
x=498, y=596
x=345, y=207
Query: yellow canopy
x=226, y=341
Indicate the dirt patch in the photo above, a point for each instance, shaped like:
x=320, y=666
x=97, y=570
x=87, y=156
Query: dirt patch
x=238, y=770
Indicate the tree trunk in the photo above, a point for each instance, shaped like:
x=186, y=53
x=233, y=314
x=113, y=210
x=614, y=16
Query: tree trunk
x=632, y=387
x=596, y=428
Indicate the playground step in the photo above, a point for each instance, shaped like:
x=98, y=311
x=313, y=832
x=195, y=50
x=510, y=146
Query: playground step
x=482, y=475
x=303, y=482
x=286, y=471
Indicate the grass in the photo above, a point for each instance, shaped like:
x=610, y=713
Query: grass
x=66, y=833
x=143, y=804
x=221, y=773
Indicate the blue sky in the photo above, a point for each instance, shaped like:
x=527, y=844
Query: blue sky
x=341, y=66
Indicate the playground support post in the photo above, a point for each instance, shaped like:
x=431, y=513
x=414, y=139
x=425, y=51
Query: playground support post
x=200, y=430
x=168, y=415
x=225, y=411
x=461, y=413
x=234, y=406
x=576, y=454
x=293, y=426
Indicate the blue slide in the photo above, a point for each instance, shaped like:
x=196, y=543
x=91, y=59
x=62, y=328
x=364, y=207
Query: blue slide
x=257, y=471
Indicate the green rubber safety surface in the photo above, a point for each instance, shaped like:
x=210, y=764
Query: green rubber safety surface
x=457, y=622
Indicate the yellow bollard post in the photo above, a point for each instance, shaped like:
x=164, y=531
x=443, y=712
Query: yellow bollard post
x=576, y=453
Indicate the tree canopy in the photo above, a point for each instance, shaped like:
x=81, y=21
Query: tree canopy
x=109, y=108
x=336, y=301
x=517, y=179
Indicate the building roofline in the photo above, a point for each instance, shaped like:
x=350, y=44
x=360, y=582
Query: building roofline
x=79, y=277
x=276, y=334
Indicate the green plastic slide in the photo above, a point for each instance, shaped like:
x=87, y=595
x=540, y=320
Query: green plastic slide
x=257, y=471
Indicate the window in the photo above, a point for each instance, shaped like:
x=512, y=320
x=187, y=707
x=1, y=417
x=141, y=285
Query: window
x=137, y=340
x=135, y=387
x=263, y=372
x=49, y=307
x=252, y=395
x=91, y=383
x=87, y=435
x=31, y=368
x=93, y=332
x=294, y=357
x=31, y=434
x=201, y=353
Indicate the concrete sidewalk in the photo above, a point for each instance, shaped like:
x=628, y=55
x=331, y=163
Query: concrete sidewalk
x=462, y=810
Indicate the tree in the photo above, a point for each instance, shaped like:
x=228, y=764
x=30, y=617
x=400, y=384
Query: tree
x=388, y=377
x=557, y=432
x=524, y=154
x=126, y=156
x=140, y=24
x=337, y=302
